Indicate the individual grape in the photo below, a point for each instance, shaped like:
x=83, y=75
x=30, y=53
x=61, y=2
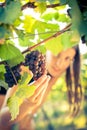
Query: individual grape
x=36, y=62
x=12, y=75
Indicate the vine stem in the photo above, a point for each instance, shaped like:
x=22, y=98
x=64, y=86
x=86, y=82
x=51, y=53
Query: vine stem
x=45, y=40
x=49, y=38
x=32, y=5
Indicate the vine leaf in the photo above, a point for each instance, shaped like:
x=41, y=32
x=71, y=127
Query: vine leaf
x=3, y=84
x=3, y=32
x=41, y=7
x=50, y=15
x=28, y=23
x=54, y=42
x=8, y=52
x=14, y=103
x=68, y=39
x=25, y=40
x=23, y=91
x=2, y=68
x=10, y=13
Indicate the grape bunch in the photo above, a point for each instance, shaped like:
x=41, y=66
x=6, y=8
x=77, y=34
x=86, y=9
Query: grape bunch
x=36, y=62
x=12, y=75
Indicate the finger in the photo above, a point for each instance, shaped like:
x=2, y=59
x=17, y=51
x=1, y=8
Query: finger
x=39, y=90
x=42, y=90
x=40, y=80
x=40, y=97
x=42, y=86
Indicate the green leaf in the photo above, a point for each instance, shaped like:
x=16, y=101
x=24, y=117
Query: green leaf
x=25, y=79
x=63, y=18
x=15, y=61
x=23, y=91
x=42, y=26
x=10, y=13
x=25, y=39
x=45, y=29
x=28, y=23
x=41, y=48
x=2, y=68
x=4, y=84
x=54, y=45
x=2, y=32
x=2, y=76
x=67, y=39
x=13, y=104
x=41, y=7
x=50, y=14
x=9, y=52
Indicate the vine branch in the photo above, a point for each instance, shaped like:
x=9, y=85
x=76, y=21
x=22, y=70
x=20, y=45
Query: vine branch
x=49, y=38
x=32, y=5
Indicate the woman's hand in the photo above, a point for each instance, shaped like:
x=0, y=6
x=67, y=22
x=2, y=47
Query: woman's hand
x=41, y=87
x=31, y=104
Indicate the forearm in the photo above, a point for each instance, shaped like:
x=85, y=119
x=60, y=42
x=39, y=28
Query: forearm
x=6, y=123
x=45, y=95
x=5, y=115
x=28, y=106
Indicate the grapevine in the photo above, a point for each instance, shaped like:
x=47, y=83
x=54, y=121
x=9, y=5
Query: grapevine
x=18, y=29
x=35, y=60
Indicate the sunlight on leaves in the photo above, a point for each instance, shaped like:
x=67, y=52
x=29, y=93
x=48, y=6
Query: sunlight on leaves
x=8, y=52
x=23, y=91
x=28, y=23
x=54, y=42
x=13, y=104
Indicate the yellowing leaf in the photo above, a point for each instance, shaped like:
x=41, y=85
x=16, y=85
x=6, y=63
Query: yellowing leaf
x=2, y=1
x=28, y=23
x=41, y=7
x=23, y=91
x=13, y=104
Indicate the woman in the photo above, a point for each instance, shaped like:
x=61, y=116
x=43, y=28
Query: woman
x=67, y=60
